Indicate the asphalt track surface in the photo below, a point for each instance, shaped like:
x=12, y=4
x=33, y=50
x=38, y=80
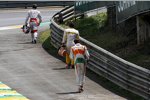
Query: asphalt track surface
x=31, y=71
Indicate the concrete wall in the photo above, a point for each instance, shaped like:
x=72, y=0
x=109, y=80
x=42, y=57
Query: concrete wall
x=14, y=4
x=143, y=29
x=111, y=16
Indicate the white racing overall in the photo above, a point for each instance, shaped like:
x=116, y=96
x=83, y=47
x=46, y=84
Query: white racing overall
x=68, y=38
x=79, y=53
x=34, y=19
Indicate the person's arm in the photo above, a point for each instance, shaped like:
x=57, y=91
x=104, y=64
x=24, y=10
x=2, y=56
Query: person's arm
x=40, y=17
x=71, y=54
x=77, y=36
x=87, y=53
x=64, y=38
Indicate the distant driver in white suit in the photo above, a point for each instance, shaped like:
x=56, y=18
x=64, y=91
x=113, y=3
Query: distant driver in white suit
x=34, y=19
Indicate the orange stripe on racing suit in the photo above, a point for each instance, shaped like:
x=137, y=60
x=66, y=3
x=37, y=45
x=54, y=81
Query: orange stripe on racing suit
x=78, y=51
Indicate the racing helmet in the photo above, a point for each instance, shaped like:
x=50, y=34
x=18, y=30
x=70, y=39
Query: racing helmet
x=62, y=51
x=25, y=29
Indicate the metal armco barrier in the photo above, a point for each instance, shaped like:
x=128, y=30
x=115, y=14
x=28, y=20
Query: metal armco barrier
x=123, y=73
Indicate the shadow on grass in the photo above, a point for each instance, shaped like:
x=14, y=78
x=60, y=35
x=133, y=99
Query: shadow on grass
x=51, y=50
x=93, y=76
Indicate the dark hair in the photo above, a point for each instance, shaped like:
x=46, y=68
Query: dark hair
x=71, y=24
x=34, y=6
x=76, y=41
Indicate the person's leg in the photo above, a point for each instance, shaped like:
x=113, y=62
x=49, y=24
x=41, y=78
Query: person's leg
x=81, y=76
x=32, y=32
x=77, y=74
x=78, y=77
x=35, y=36
x=82, y=73
x=72, y=63
x=35, y=28
x=81, y=89
x=32, y=37
x=67, y=60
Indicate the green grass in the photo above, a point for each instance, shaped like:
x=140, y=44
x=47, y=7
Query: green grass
x=44, y=39
x=44, y=36
x=91, y=25
x=95, y=29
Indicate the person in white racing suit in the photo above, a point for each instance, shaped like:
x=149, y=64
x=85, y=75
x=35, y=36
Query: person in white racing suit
x=80, y=55
x=70, y=34
x=34, y=19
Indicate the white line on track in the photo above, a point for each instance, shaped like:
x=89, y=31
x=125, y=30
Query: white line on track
x=10, y=27
x=19, y=26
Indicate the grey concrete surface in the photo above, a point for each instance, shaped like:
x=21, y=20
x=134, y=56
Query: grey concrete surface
x=17, y=16
x=31, y=71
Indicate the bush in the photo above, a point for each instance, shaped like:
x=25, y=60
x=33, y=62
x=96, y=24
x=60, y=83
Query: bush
x=94, y=29
x=91, y=25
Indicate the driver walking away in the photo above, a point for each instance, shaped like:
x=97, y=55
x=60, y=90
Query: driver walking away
x=70, y=34
x=33, y=19
x=80, y=55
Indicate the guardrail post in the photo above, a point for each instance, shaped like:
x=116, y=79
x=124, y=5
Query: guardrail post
x=149, y=87
x=127, y=77
x=111, y=17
